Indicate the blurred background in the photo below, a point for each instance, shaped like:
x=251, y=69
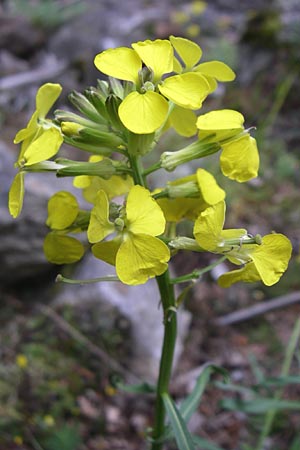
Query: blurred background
x=60, y=346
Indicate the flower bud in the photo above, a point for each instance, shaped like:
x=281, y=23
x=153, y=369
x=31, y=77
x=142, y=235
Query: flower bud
x=86, y=107
x=170, y=160
x=112, y=105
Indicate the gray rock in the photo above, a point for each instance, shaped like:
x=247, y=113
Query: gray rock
x=140, y=304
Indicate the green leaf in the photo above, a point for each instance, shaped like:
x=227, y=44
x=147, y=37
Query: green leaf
x=192, y=401
x=259, y=405
x=296, y=443
x=204, y=444
x=280, y=381
x=182, y=436
x=140, y=388
x=67, y=438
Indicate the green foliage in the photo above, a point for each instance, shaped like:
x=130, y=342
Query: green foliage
x=47, y=13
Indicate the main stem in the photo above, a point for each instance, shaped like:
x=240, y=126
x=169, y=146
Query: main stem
x=170, y=323
x=166, y=290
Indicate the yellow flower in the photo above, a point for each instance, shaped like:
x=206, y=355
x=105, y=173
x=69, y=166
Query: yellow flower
x=135, y=251
x=190, y=53
x=40, y=141
x=239, y=159
x=177, y=205
x=209, y=233
x=22, y=361
x=64, y=216
x=146, y=109
x=265, y=261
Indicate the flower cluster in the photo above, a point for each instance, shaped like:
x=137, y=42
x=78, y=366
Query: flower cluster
x=152, y=87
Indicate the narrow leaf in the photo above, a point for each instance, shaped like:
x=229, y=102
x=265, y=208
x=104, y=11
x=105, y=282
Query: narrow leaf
x=192, y=401
x=259, y=405
x=182, y=436
x=204, y=444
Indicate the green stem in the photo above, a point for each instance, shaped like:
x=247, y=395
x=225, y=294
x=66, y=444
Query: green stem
x=170, y=331
x=137, y=170
x=152, y=168
x=196, y=273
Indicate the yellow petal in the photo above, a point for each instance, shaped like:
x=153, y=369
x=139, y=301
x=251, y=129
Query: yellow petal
x=121, y=62
x=16, y=195
x=183, y=121
x=187, y=90
x=61, y=249
x=189, y=52
x=141, y=257
x=240, y=159
x=224, y=119
x=209, y=188
x=100, y=225
x=107, y=251
x=157, y=55
x=62, y=210
x=216, y=69
x=175, y=209
x=247, y=274
x=113, y=187
x=44, y=147
x=271, y=258
x=30, y=129
x=46, y=97
x=82, y=181
x=143, y=213
x=208, y=226
x=177, y=67
x=143, y=113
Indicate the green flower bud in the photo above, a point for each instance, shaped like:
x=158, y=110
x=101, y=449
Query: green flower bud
x=112, y=105
x=86, y=107
x=98, y=100
x=116, y=87
x=170, y=160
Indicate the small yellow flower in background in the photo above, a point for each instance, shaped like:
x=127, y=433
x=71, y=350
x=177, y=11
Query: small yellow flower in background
x=193, y=30
x=110, y=390
x=145, y=110
x=136, y=251
x=180, y=17
x=198, y=7
x=18, y=440
x=49, y=420
x=21, y=361
x=40, y=141
x=239, y=159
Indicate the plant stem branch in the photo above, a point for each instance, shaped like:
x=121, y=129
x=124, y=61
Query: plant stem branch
x=170, y=323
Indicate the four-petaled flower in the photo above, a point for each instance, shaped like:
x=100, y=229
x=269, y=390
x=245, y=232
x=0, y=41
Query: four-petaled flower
x=146, y=109
x=266, y=260
x=135, y=251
